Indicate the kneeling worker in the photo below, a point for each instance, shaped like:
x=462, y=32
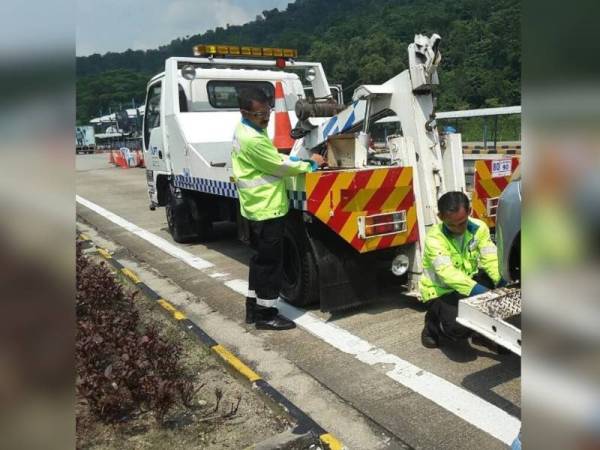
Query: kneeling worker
x=455, y=252
x=259, y=172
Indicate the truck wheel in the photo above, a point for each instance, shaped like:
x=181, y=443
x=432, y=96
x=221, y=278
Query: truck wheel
x=179, y=218
x=200, y=218
x=300, y=285
x=514, y=264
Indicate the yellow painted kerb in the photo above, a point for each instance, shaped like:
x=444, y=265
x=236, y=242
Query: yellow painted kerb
x=104, y=253
x=331, y=441
x=236, y=363
x=174, y=311
x=131, y=275
x=179, y=315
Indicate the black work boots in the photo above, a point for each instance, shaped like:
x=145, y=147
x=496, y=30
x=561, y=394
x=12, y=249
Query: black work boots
x=429, y=339
x=265, y=318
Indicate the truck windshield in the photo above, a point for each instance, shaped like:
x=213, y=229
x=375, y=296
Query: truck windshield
x=223, y=94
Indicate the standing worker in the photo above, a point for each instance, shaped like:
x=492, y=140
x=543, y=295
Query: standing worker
x=455, y=252
x=259, y=172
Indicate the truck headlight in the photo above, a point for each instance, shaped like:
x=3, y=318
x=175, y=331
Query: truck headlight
x=400, y=265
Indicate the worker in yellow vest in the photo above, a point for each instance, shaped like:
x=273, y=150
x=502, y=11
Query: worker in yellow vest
x=259, y=172
x=460, y=260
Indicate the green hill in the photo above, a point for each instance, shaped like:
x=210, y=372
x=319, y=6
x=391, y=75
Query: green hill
x=358, y=41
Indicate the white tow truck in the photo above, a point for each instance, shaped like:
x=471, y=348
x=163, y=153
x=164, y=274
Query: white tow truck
x=362, y=219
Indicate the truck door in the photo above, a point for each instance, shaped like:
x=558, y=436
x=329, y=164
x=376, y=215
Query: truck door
x=154, y=151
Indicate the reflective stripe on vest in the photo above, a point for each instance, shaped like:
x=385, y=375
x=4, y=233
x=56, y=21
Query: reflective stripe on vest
x=488, y=250
x=256, y=182
x=434, y=277
x=441, y=261
x=284, y=169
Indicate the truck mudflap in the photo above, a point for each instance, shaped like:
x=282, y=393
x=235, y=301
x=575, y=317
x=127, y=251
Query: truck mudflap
x=348, y=278
x=370, y=209
x=491, y=178
x=496, y=315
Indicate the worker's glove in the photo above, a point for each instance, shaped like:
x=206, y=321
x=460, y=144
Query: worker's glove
x=314, y=165
x=478, y=289
x=502, y=283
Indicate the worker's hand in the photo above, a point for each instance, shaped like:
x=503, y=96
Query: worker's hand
x=478, y=289
x=318, y=159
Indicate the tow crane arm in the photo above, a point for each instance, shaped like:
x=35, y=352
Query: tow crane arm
x=409, y=96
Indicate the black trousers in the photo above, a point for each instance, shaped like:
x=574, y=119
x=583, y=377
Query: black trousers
x=266, y=265
x=440, y=318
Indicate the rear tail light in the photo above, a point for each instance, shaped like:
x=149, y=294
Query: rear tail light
x=492, y=206
x=381, y=224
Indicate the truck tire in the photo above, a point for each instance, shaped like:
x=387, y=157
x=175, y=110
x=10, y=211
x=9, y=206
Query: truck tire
x=179, y=217
x=300, y=286
x=514, y=264
x=200, y=217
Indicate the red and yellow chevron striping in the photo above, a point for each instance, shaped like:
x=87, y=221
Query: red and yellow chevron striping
x=491, y=178
x=339, y=198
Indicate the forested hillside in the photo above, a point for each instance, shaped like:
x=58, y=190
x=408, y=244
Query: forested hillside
x=358, y=41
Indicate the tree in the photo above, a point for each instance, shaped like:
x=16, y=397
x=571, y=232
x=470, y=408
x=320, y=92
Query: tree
x=357, y=41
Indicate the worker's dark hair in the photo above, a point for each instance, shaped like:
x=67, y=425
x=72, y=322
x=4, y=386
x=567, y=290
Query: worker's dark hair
x=249, y=94
x=452, y=202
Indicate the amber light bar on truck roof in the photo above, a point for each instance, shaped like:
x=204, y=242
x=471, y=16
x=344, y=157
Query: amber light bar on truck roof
x=234, y=50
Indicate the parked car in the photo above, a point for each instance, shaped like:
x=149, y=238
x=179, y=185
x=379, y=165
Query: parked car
x=508, y=231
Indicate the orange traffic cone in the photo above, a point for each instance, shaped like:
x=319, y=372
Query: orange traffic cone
x=139, y=157
x=282, y=140
x=119, y=160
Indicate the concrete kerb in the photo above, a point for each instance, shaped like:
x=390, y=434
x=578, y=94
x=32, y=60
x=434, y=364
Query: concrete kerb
x=306, y=428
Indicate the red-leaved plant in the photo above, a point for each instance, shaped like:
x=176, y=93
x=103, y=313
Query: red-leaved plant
x=122, y=367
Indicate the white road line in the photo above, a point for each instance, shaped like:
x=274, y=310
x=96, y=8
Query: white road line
x=239, y=286
x=218, y=275
x=454, y=399
x=157, y=241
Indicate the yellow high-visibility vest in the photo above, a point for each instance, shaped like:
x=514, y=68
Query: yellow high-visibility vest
x=259, y=172
x=447, y=268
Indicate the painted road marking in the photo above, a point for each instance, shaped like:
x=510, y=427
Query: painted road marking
x=131, y=275
x=458, y=401
x=236, y=363
x=333, y=443
x=218, y=275
x=104, y=253
x=178, y=315
x=157, y=241
x=239, y=286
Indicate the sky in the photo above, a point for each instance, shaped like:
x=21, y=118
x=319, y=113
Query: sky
x=116, y=25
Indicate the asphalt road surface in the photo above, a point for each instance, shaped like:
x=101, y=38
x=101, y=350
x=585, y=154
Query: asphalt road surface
x=362, y=374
